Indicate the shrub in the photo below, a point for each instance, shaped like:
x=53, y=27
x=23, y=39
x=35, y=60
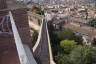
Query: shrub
x=92, y=22
x=68, y=45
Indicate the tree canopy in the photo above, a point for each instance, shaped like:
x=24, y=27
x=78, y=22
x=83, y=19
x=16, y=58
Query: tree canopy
x=68, y=45
x=37, y=10
x=67, y=34
x=79, y=55
x=92, y=22
x=83, y=55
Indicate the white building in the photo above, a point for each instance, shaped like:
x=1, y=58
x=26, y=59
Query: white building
x=49, y=16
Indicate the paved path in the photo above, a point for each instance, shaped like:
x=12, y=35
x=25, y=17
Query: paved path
x=42, y=50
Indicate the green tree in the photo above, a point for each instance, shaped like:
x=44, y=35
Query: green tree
x=79, y=55
x=93, y=56
x=68, y=45
x=34, y=37
x=94, y=41
x=67, y=34
x=92, y=22
x=62, y=59
x=83, y=55
x=38, y=10
x=78, y=39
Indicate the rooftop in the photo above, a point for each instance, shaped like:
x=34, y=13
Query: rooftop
x=12, y=5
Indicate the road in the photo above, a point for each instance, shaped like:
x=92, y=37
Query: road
x=42, y=51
